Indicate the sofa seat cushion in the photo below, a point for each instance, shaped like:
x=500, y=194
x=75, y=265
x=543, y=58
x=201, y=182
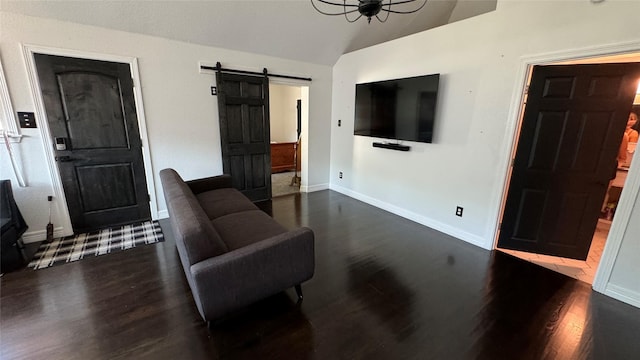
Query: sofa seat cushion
x=221, y=202
x=245, y=228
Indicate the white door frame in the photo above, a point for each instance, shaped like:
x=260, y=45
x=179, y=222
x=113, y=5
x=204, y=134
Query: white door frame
x=304, y=123
x=630, y=191
x=29, y=51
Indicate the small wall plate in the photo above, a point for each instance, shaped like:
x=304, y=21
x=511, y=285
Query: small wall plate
x=27, y=120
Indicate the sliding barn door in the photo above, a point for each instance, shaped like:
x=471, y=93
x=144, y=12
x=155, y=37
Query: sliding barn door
x=243, y=105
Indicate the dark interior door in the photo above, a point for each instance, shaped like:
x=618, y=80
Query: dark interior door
x=243, y=106
x=572, y=128
x=92, y=118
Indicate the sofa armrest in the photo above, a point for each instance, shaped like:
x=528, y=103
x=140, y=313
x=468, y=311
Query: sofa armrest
x=210, y=183
x=247, y=274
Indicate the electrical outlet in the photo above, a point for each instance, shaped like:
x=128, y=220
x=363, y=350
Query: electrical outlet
x=459, y=211
x=340, y=175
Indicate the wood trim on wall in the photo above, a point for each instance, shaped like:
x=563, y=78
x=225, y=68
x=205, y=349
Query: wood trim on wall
x=9, y=122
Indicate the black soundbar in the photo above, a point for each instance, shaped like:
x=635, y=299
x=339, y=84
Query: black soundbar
x=392, y=146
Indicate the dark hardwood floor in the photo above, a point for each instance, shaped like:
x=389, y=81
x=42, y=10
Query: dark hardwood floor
x=384, y=288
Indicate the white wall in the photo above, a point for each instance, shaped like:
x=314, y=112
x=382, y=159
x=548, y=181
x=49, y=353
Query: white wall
x=283, y=113
x=480, y=61
x=181, y=115
x=625, y=277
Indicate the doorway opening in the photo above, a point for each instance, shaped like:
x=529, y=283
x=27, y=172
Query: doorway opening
x=288, y=111
x=584, y=270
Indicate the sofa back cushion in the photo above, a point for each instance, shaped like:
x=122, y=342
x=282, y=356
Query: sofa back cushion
x=195, y=236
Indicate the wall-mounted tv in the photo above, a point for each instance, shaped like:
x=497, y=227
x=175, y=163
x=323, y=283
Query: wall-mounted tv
x=400, y=109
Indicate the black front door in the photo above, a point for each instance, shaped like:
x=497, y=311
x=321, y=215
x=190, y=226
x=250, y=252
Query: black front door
x=92, y=119
x=573, y=123
x=243, y=106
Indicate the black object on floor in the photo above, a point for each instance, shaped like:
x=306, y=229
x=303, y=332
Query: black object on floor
x=50, y=224
x=13, y=226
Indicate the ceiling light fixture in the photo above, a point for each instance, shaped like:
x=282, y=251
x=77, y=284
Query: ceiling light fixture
x=367, y=8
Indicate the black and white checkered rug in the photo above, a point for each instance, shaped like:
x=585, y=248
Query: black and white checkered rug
x=103, y=242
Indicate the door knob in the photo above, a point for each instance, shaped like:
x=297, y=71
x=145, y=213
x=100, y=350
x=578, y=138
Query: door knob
x=64, y=158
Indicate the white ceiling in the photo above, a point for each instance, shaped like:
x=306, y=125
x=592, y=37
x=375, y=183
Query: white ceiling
x=289, y=29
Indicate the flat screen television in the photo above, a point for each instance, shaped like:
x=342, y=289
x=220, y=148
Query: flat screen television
x=400, y=109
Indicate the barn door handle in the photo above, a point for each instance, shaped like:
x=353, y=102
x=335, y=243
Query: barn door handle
x=64, y=158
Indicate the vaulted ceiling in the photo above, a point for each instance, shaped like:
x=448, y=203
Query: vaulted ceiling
x=289, y=29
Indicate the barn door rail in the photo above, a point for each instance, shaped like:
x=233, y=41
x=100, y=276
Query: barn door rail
x=264, y=72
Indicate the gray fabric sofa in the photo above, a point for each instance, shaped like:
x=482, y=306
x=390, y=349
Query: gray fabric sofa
x=232, y=253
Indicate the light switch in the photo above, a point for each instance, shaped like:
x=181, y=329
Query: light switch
x=27, y=120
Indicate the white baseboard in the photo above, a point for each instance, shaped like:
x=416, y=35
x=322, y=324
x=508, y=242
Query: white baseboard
x=313, y=188
x=625, y=295
x=41, y=235
x=163, y=214
x=428, y=222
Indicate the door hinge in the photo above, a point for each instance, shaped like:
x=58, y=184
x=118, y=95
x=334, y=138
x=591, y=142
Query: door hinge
x=526, y=90
x=513, y=162
x=148, y=197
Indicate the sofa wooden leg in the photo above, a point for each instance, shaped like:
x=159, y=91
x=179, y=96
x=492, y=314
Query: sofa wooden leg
x=299, y=292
